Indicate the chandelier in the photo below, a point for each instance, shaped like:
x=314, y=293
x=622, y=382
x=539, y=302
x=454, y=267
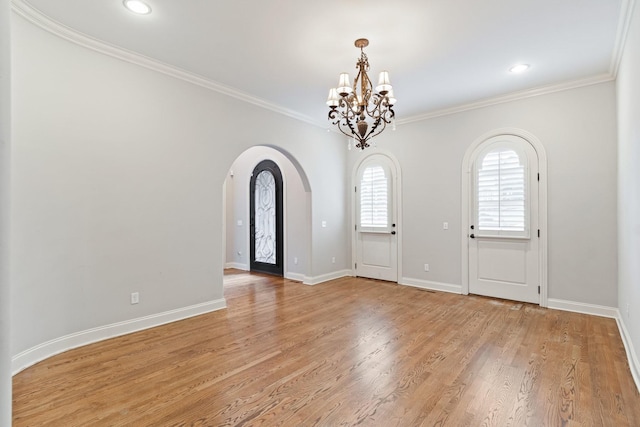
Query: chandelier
x=358, y=111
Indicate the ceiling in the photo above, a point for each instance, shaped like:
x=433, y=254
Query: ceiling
x=440, y=53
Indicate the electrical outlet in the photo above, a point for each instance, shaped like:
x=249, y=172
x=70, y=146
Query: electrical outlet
x=426, y=267
x=333, y=260
x=445, y=225
x=135, y=297
x=295, y=260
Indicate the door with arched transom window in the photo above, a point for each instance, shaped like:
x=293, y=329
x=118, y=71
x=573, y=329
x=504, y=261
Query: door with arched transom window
x=504, y=220
x=376, y=227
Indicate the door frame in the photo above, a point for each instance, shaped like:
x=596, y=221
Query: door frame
x=397, y=195
x=467, y=176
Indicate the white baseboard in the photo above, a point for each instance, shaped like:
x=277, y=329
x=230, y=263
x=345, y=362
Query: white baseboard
x=50, y=348
x=298, y=277
x=632, y=357
x=584, y=308
x=435, y=286
x=237, y=266
x=326, y=277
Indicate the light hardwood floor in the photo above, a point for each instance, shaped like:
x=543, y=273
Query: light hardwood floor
x=346, y=352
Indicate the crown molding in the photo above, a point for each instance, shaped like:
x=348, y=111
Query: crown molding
x=624, y=22
x=513, y=96
x=33, y=15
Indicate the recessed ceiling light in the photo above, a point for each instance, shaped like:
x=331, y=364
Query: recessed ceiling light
x=519, y=68
x=137, y=6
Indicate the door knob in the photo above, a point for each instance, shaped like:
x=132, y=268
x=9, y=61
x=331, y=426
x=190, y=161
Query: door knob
x=473, y=236
x=393, y=232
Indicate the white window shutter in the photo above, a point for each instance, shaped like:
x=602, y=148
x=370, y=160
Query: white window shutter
x=501, y=192
x=374, y=189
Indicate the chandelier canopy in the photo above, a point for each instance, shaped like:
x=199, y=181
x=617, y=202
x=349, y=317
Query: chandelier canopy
x=358, y=111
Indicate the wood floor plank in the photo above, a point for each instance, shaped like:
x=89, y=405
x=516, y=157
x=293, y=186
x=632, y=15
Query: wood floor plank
x=347, y=352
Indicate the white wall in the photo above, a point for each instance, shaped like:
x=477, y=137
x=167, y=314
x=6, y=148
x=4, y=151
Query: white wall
x=296, y=224
x=628, y=89
x=578, y=131
x=5, y=137
x=117, y=186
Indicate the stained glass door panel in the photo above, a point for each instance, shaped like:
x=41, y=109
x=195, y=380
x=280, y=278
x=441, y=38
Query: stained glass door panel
x=266, y=232
x=265, y=217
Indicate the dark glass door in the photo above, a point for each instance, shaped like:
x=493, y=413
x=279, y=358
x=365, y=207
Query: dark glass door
x=265, y=203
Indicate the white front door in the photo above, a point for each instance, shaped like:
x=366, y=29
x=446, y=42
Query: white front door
x=504, y=232
x=376, y=238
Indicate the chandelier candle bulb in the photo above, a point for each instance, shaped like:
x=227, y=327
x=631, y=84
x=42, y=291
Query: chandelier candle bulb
x=358, y=111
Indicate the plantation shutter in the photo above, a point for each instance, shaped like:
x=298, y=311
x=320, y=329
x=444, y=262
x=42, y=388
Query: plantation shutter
x=501, y=192
x=374, y=189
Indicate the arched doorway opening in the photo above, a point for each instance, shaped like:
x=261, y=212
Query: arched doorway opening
x=296, y=212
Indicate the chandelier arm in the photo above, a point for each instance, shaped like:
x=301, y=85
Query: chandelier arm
x=378, y=103
x=342, y=121
x=346, y=103
x=380, y=122
x=349, y=124
x=376, y=125
x=373, y=109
